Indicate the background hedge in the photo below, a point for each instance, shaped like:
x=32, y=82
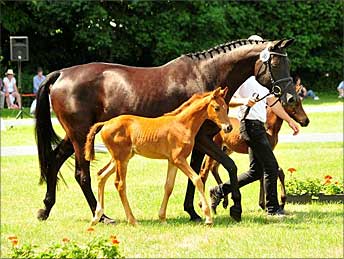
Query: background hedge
x=66, y=33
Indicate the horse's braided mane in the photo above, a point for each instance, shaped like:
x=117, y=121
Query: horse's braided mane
x=223, y=48
x=187, y=103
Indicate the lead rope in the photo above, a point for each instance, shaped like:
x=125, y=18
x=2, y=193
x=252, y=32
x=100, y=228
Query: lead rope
x=256, y=99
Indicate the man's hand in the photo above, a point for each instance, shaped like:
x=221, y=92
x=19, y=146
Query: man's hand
x=294, y=127
x=250, y=102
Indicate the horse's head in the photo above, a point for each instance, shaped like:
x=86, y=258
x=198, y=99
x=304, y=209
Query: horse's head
x=217, y=109
x=295, y=109
x=272, y=70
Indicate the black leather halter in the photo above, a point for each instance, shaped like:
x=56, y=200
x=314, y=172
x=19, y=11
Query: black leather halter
x=265, y=57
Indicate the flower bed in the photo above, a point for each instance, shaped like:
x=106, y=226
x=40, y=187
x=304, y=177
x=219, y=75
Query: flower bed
x=98, y=247
x=305, y=191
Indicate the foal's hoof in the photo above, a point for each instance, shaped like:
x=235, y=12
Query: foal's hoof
x=235, y=213
x=106, y=220
x=42, y=214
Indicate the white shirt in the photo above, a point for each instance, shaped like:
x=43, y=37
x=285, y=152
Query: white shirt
x=10, y=84
x=246, y=90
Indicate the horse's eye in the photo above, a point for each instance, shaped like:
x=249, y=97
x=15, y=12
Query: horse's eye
x=217, y=108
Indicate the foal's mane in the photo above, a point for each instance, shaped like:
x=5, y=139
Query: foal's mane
x=223, y=48
x=188, y=103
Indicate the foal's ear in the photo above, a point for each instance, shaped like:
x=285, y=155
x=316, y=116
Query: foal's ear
x=216, y=92
x=224, y=92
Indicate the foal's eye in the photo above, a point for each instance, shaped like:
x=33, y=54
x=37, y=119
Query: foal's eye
x=217, y=108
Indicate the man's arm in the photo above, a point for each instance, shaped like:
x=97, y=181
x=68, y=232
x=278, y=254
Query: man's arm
x=236, y=101
x=280, y=112
x=6, y=87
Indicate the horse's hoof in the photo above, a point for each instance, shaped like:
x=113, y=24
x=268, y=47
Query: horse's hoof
x=196, y=219
x=106, y=220
x=193, y=215
x=235, y=213
x=42, y=214
x=209, y=222
x=225, y=203
x=262, y=205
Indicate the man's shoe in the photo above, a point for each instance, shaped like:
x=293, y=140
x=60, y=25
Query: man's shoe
x=216, y=195
x=278, y=213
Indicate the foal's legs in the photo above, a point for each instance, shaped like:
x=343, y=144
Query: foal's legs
x=103, y=175
x=170, y=179
x=197, y=181
x=121, y=187
x=59, y=156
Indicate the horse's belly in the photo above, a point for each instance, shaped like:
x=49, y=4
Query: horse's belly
x=150, y=150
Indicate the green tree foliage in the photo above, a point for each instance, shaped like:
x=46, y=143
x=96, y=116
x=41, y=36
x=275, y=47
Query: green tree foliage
x=145, y=33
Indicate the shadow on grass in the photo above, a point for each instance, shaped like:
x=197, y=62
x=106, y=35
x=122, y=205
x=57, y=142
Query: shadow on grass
x=248, y=219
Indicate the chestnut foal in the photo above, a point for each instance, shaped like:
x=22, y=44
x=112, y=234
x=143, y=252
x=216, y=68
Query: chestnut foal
x=232, y=142
x=170, y=137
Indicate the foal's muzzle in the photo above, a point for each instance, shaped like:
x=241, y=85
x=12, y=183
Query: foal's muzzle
x=226, y=128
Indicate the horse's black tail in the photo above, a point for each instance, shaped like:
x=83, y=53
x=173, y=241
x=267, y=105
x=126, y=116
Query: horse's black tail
x=46, y=137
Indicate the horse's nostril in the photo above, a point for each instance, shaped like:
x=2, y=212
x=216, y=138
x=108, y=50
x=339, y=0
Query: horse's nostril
x=306, y=122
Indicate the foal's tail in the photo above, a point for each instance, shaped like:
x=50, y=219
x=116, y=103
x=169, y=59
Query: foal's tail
x=46, y=137
x=89, y=146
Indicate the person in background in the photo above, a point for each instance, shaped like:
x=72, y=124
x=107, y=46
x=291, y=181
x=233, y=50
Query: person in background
x=304, y=93
x=340, y=89
x=2, y=96
x=38, y=79
x=11, y=90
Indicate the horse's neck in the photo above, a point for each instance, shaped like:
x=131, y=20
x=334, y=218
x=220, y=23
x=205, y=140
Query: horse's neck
x=273, y=123
x=193, y=116
x=231, y=68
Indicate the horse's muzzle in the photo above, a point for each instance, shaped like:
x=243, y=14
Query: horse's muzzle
x=226, y=128
x=304, y=123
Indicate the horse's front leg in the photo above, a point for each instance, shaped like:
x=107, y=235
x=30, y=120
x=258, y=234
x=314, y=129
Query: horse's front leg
x=196, y=162
x=206, y=145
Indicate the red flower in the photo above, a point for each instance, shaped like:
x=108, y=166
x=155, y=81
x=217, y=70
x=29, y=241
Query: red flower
x=114, y=240
x=11, y=237
x=327, y=181
x=14, y=242
x=90, y=229
x=328, y=177
x=65, y=240
x=291, y=170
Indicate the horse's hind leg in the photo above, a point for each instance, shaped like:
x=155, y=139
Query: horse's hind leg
x=103, y=175
x=59, y=156
x=170, y=180
x=121, y=187
x=262, y=193
x=281, y=176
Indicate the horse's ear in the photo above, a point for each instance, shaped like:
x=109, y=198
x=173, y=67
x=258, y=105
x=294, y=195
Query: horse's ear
x=276, y=44
x=224, y=92
x=216, y=92
x=287, y=43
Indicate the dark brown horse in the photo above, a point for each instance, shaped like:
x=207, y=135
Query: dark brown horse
x=85, y=94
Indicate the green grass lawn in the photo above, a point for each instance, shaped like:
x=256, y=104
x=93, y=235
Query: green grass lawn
x=313, y=230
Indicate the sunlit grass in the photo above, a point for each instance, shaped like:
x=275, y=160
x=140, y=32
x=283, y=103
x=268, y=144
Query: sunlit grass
x=313, y=230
